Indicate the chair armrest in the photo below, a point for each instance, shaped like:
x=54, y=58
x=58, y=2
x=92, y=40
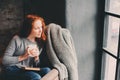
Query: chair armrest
x=52, y=75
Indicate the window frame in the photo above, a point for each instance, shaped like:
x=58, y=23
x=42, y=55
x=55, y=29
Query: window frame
x=117, y=73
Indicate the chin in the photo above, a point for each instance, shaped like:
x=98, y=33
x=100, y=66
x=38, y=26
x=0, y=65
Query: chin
x=38, y=36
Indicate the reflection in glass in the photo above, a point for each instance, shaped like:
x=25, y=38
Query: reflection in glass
x=113, y=6
x=111, y=34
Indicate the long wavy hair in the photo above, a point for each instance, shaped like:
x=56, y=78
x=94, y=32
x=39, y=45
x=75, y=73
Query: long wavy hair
x=27, y=26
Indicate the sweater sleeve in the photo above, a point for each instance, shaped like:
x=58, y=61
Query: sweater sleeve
x=9, y=58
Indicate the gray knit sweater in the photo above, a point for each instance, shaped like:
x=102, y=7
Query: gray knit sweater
x=17, y=47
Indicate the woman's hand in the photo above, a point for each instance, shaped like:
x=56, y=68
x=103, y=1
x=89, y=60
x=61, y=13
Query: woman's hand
x=36, y=58
x=30, y=52
x=33, y=52
x=24, y=56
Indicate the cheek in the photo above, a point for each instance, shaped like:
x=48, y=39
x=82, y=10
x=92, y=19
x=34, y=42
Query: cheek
x=33, y=32
x=38, y=32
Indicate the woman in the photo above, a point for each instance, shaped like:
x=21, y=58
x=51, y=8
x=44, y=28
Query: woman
x=24, y=50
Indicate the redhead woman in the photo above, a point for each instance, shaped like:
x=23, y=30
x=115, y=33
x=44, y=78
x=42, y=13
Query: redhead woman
x=23, y=51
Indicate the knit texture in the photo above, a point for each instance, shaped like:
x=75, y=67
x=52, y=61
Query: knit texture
x=61, y=52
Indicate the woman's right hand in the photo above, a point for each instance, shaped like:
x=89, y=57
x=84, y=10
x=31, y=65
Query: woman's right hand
x=24, y=56
x=33, y=51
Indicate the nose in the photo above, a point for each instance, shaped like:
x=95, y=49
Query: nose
x=40, y=30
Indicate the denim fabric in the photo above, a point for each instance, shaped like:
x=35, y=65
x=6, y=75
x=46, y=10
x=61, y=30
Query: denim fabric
x=15, y=73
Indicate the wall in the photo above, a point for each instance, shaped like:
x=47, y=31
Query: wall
x=11, y=13
x=84, y=20
x=11, y=16
x=53, y=11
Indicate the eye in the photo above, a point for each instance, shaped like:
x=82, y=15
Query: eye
x=35, y=28
x=38, y=28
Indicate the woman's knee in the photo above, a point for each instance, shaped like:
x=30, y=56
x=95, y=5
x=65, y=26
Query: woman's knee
x=46, y=69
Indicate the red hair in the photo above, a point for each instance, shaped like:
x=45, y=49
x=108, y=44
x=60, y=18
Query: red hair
x=33, y=18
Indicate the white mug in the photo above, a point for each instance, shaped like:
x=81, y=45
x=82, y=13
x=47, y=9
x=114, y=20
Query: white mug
x=31, y=47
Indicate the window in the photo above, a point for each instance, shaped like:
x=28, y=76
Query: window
x=111, y=41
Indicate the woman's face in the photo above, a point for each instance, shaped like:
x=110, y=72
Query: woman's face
x=36, y=29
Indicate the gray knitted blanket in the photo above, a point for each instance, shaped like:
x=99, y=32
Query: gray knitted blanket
x=61, y=52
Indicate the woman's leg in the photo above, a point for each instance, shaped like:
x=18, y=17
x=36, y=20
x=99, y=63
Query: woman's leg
x=44, y=71
x=15, y=73
x=12, y=73
x=31, y=75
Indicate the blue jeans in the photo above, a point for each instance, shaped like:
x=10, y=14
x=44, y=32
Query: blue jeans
x=15, y=73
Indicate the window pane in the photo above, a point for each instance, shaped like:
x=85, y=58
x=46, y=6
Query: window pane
x=113, y=6
x=108, y=67
x=111, y=34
